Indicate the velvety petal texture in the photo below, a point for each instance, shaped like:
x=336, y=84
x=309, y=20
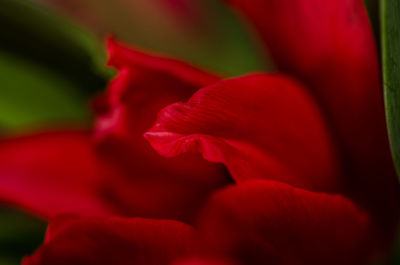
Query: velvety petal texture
x=145, y=83
x=52, y=173
x=151, y=185
x=329, y=46
x=259, y=126
x=268, y=222
x=136, y=241
x=289, y=141
x=139, y=186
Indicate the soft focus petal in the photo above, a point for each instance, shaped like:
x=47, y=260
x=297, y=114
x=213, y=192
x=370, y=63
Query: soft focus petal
x=259, y=126
x=268, y=222
x=329, y=46
x=145, y=83
x=121, y=56
x=51, y=173
x=96, y=241
x=151, y=186
x=119, y=168
x=143, y=184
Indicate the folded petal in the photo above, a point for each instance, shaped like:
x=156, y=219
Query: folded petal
x=142, y=183
x=121, y=56
x=136, y=180
x=50, y=173
x=259, y=126
x=144, y=84
x=150, y=186
x=329, y=45
x=113, y=241
x=268, y=222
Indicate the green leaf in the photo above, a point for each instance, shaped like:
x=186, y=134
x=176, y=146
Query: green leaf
x=390, y=21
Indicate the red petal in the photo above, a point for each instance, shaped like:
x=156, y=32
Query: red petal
x=96, y=241
x=151, y=186
x=267, y=222
x=144, y=184
x=51, y=173
x=60, y=172
x=145, y=83
x=329, y=46
x=122, y=56
x=259, y=126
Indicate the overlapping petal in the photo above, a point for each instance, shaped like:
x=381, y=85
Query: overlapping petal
x=268, y=222
x=70, y=173
x=342, y=68
x=113, y=240
x=259, y=126
x=62, y=172
x=151, y=185
x=51, y=173
x=329, y=45
x=121, y=55
x=144, y=84
x=142, y=184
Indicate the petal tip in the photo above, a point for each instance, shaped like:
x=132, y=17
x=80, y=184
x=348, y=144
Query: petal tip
x=112, y=47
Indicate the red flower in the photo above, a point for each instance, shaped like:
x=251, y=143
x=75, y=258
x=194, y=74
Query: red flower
x=306, y=151
x=114, y=171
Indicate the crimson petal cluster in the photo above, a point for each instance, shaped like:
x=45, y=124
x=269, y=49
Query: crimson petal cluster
x=184, y=167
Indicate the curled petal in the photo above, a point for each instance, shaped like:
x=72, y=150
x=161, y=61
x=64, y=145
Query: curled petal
x=62, y=172
x=259, y=126
x=329, y=46
x=142, y=183
x=262, y=221
x=150, y=186
x=113, y=240
x=121, y=56
x=136, y=181
x=144, y=84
